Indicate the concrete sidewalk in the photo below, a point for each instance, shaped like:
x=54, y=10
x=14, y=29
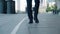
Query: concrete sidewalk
x=49, y=24
x=9, y=21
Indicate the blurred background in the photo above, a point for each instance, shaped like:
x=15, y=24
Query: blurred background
x=19, y=6
x=45, y=5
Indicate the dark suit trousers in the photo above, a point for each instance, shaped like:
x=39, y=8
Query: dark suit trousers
x=29, y=8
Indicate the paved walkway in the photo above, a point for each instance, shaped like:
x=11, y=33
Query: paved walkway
x=18, y=24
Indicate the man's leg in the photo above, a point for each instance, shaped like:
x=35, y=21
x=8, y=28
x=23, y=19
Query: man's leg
x=36, y=8
x=29, y=10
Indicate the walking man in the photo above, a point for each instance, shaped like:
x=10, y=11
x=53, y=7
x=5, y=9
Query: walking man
x=35, y=9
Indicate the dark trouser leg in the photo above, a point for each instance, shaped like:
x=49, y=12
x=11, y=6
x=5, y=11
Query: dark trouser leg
x=29, y=9
x=36, y=8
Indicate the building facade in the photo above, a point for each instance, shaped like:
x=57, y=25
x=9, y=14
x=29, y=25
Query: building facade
x=21, y=5
x=12, y=6
x=58, y=3
x=7, y=6
x=43, y=6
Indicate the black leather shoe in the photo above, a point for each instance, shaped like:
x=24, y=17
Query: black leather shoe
x=36, y=20
x=30, y=22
